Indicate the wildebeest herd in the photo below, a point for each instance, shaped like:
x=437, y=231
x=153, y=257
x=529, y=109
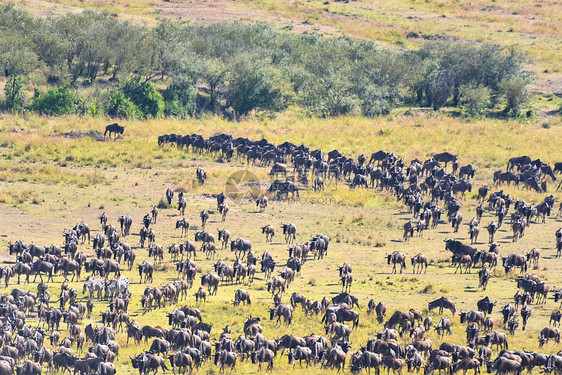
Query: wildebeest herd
x=191, y=340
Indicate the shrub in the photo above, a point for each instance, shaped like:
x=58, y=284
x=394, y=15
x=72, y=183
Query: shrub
x=117, y=105
x=56, y=101
x=144, y=95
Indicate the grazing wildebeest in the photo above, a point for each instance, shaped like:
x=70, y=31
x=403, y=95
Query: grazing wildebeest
x=115, y=128
x=549, y=333
x=442, y=303
x=444, y=325
x=396, y=258
x=241, y=295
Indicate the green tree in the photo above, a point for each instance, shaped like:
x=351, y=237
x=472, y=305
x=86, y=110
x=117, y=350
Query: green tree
x=15, y=95
x=255, y=84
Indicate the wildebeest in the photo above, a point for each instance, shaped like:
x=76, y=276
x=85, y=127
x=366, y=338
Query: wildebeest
x=396, y=258
x=125, y=221
x=442, y=303
x=408, y=230
x=457, y=247
x=445, y=157
x=169, y=195
x=261, y=202
x=184, y=225
x=419, y=261
x=269, y=232
x=290, y=231
x=114, y=128
x=201, y=175
x=211, y=281
x=548, y=333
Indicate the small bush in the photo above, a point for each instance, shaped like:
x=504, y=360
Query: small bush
x=428, y=289
x=56, y=101
x=118, y=106
x=145, y=96
x=162, y=204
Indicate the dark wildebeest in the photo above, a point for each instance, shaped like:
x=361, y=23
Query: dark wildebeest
x=201, y=175
x=457, y=247
x=115, y=128
x=445, y=157
x=184, y=225
x=169, y=195
x=486, y=305
x=224, y=237
x=419, y=261
x=518, y=161
x=492, y=229
x=396, y=258
x=269, y=232
x=204, y=217
x=380, y=310
x=482, y=192
x=290, y=231
x=549, y=333
x=466, y=171
x=408, y=230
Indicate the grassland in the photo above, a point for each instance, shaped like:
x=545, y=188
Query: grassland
x=49, y=182
x=534, y=26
